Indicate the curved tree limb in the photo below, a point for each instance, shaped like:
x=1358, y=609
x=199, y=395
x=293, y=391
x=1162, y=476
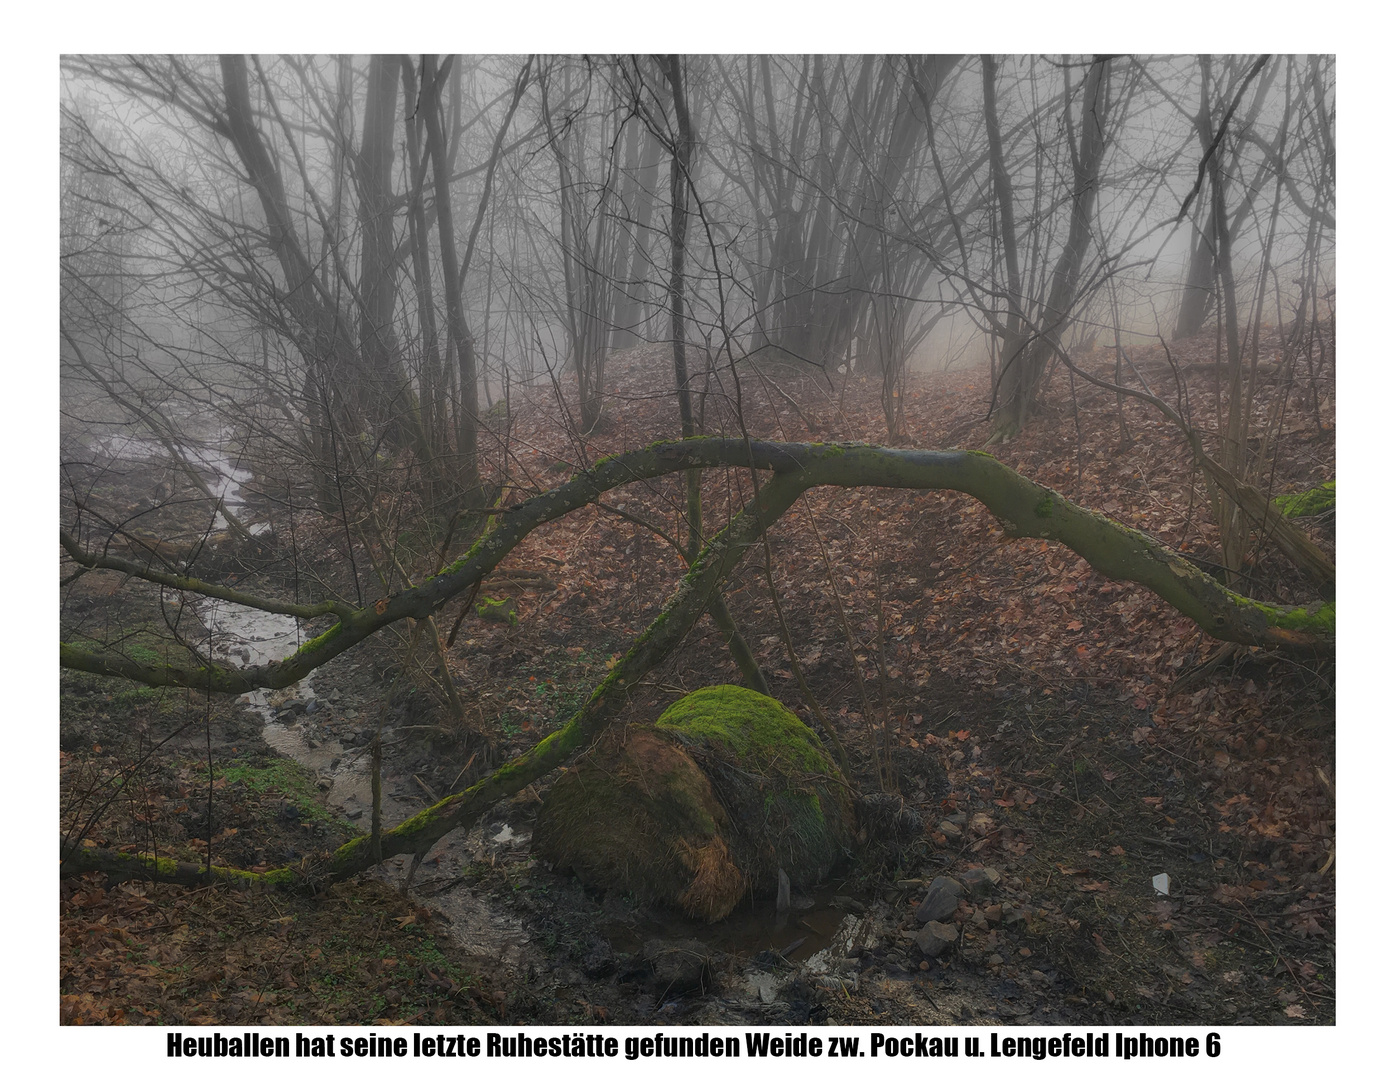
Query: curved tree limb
x=1024, y=507
x=417, y=835
x=687, y=604
x=184, y=583
x=119, y=865
x=1291, y=540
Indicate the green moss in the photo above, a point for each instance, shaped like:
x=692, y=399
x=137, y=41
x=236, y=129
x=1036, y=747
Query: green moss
x=499, y=611
x=756, y=730
x=413, y=825
x=143, y=655
x=322, y=640
x=1321, y=617
x=476, y=549
x=1043, y=508
x=283, y=776
x=1309, y=503
x=786, y=798
x=162, y=868
x=1315, y=619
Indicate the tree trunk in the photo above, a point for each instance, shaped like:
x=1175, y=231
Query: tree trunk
x=1021, y=374
x=1199, y=293
x=467, y=417
x=377, y=263
x=435, y=408
x=642, y=154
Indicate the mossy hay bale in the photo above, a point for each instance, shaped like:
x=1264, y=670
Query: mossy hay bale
x=636, y=813
x=787, y=803
x=712, y=801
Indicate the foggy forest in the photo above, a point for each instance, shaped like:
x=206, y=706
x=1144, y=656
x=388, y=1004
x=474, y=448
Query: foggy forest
x=697, y=539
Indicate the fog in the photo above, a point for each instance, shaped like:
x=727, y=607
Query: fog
x=357, y=246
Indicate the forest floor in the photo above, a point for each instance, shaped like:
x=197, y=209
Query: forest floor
x=1067, y=736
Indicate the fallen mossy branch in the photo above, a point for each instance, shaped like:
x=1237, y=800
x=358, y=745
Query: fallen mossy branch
x=119, y=866
x=1024, y=507
x=417, y=834
x=1310, y=503
x=185, y=583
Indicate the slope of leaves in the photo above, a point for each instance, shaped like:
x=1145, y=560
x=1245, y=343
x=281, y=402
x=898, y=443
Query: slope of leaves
x=1091, y=737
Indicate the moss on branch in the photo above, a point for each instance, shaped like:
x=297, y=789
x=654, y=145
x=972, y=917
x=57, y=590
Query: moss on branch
x=1314, y=501
x=1024, y=508
x=120, y=866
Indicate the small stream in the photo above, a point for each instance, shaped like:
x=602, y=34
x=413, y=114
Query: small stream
x=246, y=637
x=220, y=472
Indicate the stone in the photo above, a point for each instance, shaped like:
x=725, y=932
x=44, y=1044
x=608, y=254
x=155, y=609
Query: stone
x=599, y=960
x=679, y=967
x=941, y=901
x=503, y=611
x=763, y=985
x=934, y=938
x=981, y=880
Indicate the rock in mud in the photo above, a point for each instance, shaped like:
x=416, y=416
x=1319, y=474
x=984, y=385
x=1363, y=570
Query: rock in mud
x=941, y=901
x=981, y=880
x=702, y=807
x=934, y=938
x=599, y=960
x=679, y=967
